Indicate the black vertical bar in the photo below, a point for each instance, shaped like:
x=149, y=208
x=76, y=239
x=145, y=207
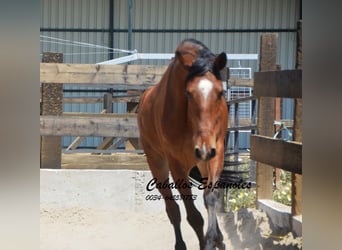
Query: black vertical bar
x=253, y=114
x=236, y=134
x=107, y=102
x=130, y=23
x=111, y=28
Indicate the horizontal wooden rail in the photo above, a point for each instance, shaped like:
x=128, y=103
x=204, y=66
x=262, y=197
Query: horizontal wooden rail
x=96, y=115
x=242, y=99
x=282, y=83
x=83, y=159
x=100, y=99
x=108, y=125
x=286, y=155
x=238, y=82
x=100, y=74
x=242, y=122
x=251, y=127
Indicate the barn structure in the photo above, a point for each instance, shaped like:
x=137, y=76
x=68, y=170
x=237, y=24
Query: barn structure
x=89, y=32
x=94, y=31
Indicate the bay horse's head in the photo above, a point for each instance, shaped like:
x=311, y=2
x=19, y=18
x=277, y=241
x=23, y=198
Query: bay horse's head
x=207, y=109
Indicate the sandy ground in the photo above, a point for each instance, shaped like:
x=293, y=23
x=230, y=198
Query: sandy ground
x=92, y=229
x=76, y=228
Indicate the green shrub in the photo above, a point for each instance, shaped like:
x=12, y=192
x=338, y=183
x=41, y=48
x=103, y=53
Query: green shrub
x=241, y=198
x=282, y=192
x=246, y=198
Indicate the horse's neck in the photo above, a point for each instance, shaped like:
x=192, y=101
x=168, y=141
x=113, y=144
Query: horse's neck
x=175, y=99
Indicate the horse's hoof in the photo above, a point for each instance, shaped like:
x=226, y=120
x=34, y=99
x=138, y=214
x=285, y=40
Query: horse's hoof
x=210, y=247
x=180, y=246
x=221, y=246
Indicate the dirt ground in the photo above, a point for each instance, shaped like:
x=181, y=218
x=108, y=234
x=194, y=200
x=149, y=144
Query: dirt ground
x=95, y=229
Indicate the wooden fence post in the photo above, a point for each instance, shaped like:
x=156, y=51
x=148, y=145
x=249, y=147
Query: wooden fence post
x=278, y=118
x=51, y=104
x=108, y=106
x=132, y=143
x=297, y=129
x=266, y=114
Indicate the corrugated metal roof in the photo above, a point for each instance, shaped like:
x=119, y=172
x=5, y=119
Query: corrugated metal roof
x=203, y=14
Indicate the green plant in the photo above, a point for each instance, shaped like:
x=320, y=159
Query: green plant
x=282, y=192
x=246, y=198
x=241, y=198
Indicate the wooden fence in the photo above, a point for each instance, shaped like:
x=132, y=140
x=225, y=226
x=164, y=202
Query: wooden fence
x=270, y=152
x=55, y=123
x=269, y=84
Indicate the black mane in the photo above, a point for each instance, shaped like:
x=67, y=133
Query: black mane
x=204, y=63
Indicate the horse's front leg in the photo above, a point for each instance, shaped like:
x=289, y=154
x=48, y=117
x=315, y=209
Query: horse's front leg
x=160, y=171
x=214, y=237
x=194, y=217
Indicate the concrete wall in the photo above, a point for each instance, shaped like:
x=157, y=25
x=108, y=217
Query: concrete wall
x=280, y=217
x=102, y=189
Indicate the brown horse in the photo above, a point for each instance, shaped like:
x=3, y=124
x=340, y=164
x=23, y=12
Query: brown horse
x=183, y=122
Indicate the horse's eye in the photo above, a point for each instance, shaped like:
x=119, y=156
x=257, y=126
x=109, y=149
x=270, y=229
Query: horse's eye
x=188, y=94
x=220, y=94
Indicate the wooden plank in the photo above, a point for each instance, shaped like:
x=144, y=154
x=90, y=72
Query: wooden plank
x=296, y=193
x=242, y=122
x=238, y=82
x=277, y=117
x=75, y=143
x=100, y=74
x=238, y=128
x=67, y=125
x=281, y=83
x=297, y=132
x=286, y=155
x=299, y=45
x=108, y=106
x=132, y=143
x=51, y=104
x=117, y=143
x=100, y=151
x=78, y=140
x=82, y=100
x=243, y=99
x=114, y=161
x=107, y=141
x=100, y=99
x=99, y=115
x=266, y=113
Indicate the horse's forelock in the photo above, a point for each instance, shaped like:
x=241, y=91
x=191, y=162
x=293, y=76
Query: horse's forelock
x=204, y=61
x=202, y=65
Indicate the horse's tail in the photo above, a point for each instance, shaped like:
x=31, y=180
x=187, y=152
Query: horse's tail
x=227, y=176
x=195, y=176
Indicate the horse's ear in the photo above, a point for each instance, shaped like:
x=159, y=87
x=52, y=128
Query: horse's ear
x=187, y=59
x=220, y=61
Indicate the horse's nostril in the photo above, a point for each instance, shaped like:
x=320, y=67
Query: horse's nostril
x=198, y=153
x=212, y=152
x=205, y=155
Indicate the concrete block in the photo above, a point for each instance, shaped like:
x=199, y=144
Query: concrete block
x=297, y=225
x=279, y=214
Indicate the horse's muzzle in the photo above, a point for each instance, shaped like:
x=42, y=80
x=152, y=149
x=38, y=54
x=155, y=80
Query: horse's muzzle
x=203, y=154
